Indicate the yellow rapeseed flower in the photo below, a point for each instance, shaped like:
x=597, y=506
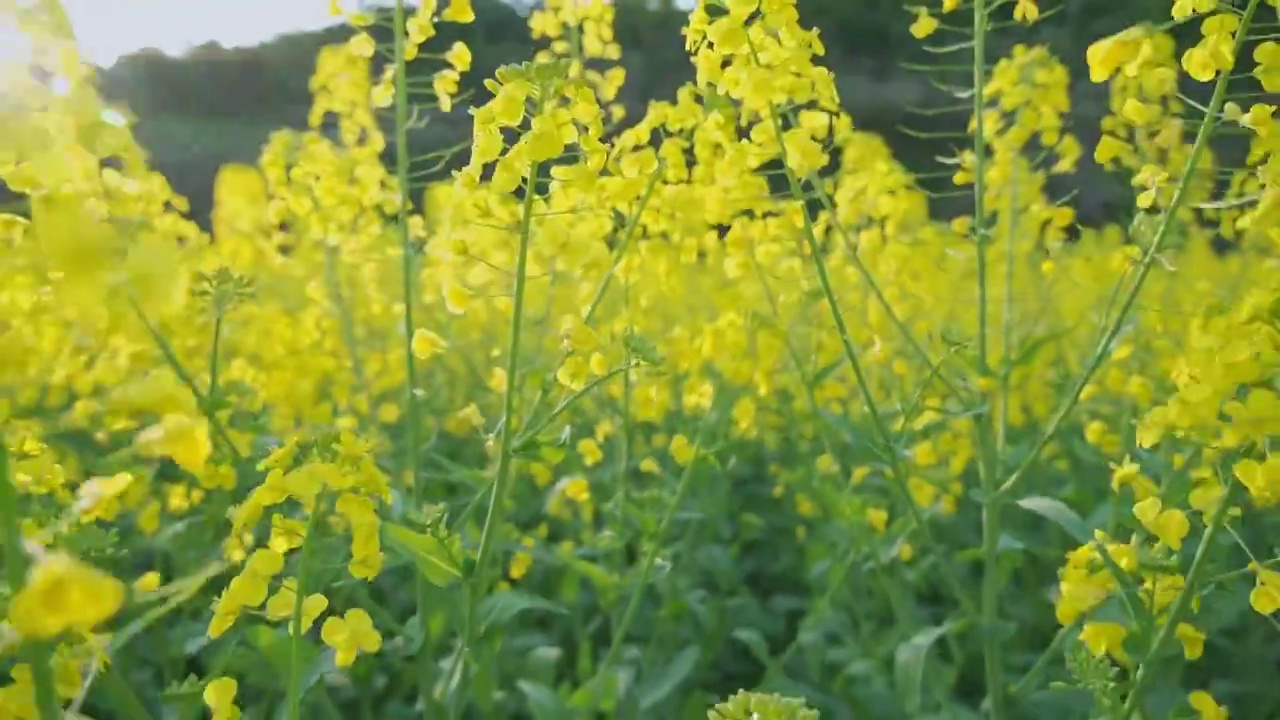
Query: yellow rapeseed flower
x=350, y=635
x=62, y=593
x=220, y=697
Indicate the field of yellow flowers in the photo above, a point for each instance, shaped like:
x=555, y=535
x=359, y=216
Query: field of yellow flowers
x=632, y=416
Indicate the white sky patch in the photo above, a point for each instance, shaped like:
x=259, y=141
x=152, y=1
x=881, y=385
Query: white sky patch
x=108, y=29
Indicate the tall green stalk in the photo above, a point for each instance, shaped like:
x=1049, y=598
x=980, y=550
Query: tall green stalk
x=407, y=264
x=980, y=233
x=507, y=440
x=38, y=654
x=509, y=432
x=294, y=692
x=988, y=461
x=597, y=298
x=1006, y=334
x=409, y=292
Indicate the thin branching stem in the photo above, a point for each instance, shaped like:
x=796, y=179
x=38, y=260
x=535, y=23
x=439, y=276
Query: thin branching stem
x=1145, y=673
x=874, y=286
x=864, y=385
x=408, y=252
x=597, y=298
x=1158, y=240
x=506, y=442
x=655, y=547
x=1031, y=679
x=171, y=357
x=536, y=428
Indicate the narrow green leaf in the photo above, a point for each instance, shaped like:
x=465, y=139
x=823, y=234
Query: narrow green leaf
x=120, y=697
x=544, y=703
x=433, y=556
x=1057, y=512
x=604, y=580
x=675, y=673
x=598, y=693
x=499, y=608
x=755, y=642
x=908, y=666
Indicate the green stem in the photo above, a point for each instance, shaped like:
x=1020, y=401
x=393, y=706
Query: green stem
x=988, y=460
x=409, y=296
x=628, y=233
x=979, y=170
x=1162, y=232
x=1144, y=675
x=993, y=642
x=1006, y=342
x=651, y=555
x=171, y=357
x=1029, y=681
x=864, y=386
x=624, y=435
x=934, y=366
x=1241, y=572
x=873, y=285
x=211, y=402
x=508, y=436
x=794, y=356
x=536, y=429
x=407, y=250
x=834, y=579
x=502, y=476
x=38, y=654
x=294, y=692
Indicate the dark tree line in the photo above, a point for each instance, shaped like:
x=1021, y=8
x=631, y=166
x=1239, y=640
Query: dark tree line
x=216, y=104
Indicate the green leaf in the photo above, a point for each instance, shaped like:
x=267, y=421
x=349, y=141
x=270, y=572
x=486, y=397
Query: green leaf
x=755, y=642
x=598, y=693
x=908, y=666
x=276, y=648
x=120, y=697
x=499, y=608
x=675, y=673
x=1057, y=512
x=605, y=581
x=543, y=701
x=433, y=556
x=641, y=348
x=826, y=372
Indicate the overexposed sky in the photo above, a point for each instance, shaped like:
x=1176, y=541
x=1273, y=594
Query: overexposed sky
x=107, y=29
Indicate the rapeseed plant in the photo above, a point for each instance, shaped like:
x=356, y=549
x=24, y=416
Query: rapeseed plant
x=552, y=384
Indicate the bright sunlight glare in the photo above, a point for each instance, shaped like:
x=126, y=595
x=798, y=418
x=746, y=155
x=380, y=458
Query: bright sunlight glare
x=109, y=29
x=15, y=46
